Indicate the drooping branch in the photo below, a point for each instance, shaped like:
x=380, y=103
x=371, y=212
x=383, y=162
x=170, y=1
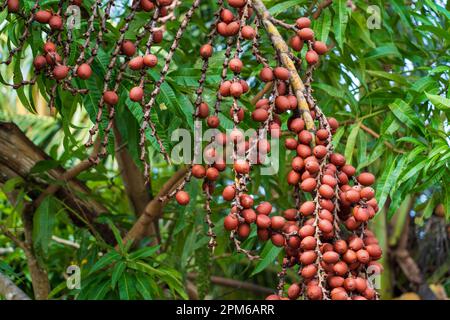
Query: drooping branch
x=10, y=291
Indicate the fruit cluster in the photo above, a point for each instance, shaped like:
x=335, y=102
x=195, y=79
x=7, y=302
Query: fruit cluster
x=325, y=236
x=55, y=62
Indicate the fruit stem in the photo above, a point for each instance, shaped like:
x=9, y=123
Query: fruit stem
x=283, y=49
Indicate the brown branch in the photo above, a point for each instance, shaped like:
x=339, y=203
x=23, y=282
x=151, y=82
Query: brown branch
x=324, y=4
x=285, y=56
x=261, y=93
x=376, y=136
x=10, y=291
x=231, y=283
x=21, y=244
x=133, y=180
x=153, y=210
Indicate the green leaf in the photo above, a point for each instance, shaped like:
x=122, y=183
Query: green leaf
x=44, y=165
x=127, y=289
x=44, y=221
x=283, y=6
x=388, y=180
x=351, y=141
x=11, y=184
x=117, y=272
x=405, y=114
x=268, y=255
x=143, y=253
x=387, y=75
x=340, y=22
x=388, y=50
x=142, y=285
x=105, y=261
x=439, y=102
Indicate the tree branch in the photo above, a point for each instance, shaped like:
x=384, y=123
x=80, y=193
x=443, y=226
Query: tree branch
x=10, y=291
x=231, y=283
x=153, y=210
x=18, y=155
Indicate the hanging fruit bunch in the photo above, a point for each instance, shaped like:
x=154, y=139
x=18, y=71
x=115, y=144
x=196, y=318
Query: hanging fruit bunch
x=130, y=58
x=325, y=236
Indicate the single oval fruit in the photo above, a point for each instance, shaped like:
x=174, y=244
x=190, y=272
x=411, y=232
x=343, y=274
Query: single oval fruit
x=281, y=73
x=296, y=43
x=246, y=201
x=307, y=208
x=277, y=222
x=84, y=71
x=293, y=178
x=150, y=60
x=320, y=47
x=248, y=32
x=312, y=57
x=249, y=215
x=56, y=22
x=260, y=115
x=128, y=48
x=278, y=240
x=243, y=230
x=230, y=222
x=229, y=192
x=264, y=208
x=206, y=51
x=226, y=16
x=235, y=65
x=309, y=271
x=43, y=16
x=308, y=257
x=137, y=63
x=146, y=5
x=198, y=171
x=158, y=36
x=110, y=97
x=306, y=34
x=236, y=89
x=303, y=22
x=306, y=231
x=182, y=197
x=60, y=72
x=294, y=291
x=366, y=179
x=232, y=28
x=213, y=121
x=266, y=74
x=237, y=3
x=308, y=243
x=13, y=6
x=49, y=47
x=136, y=94
x=263, y=221
x=203, y=110
x=308, y=185
x=39, y=62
